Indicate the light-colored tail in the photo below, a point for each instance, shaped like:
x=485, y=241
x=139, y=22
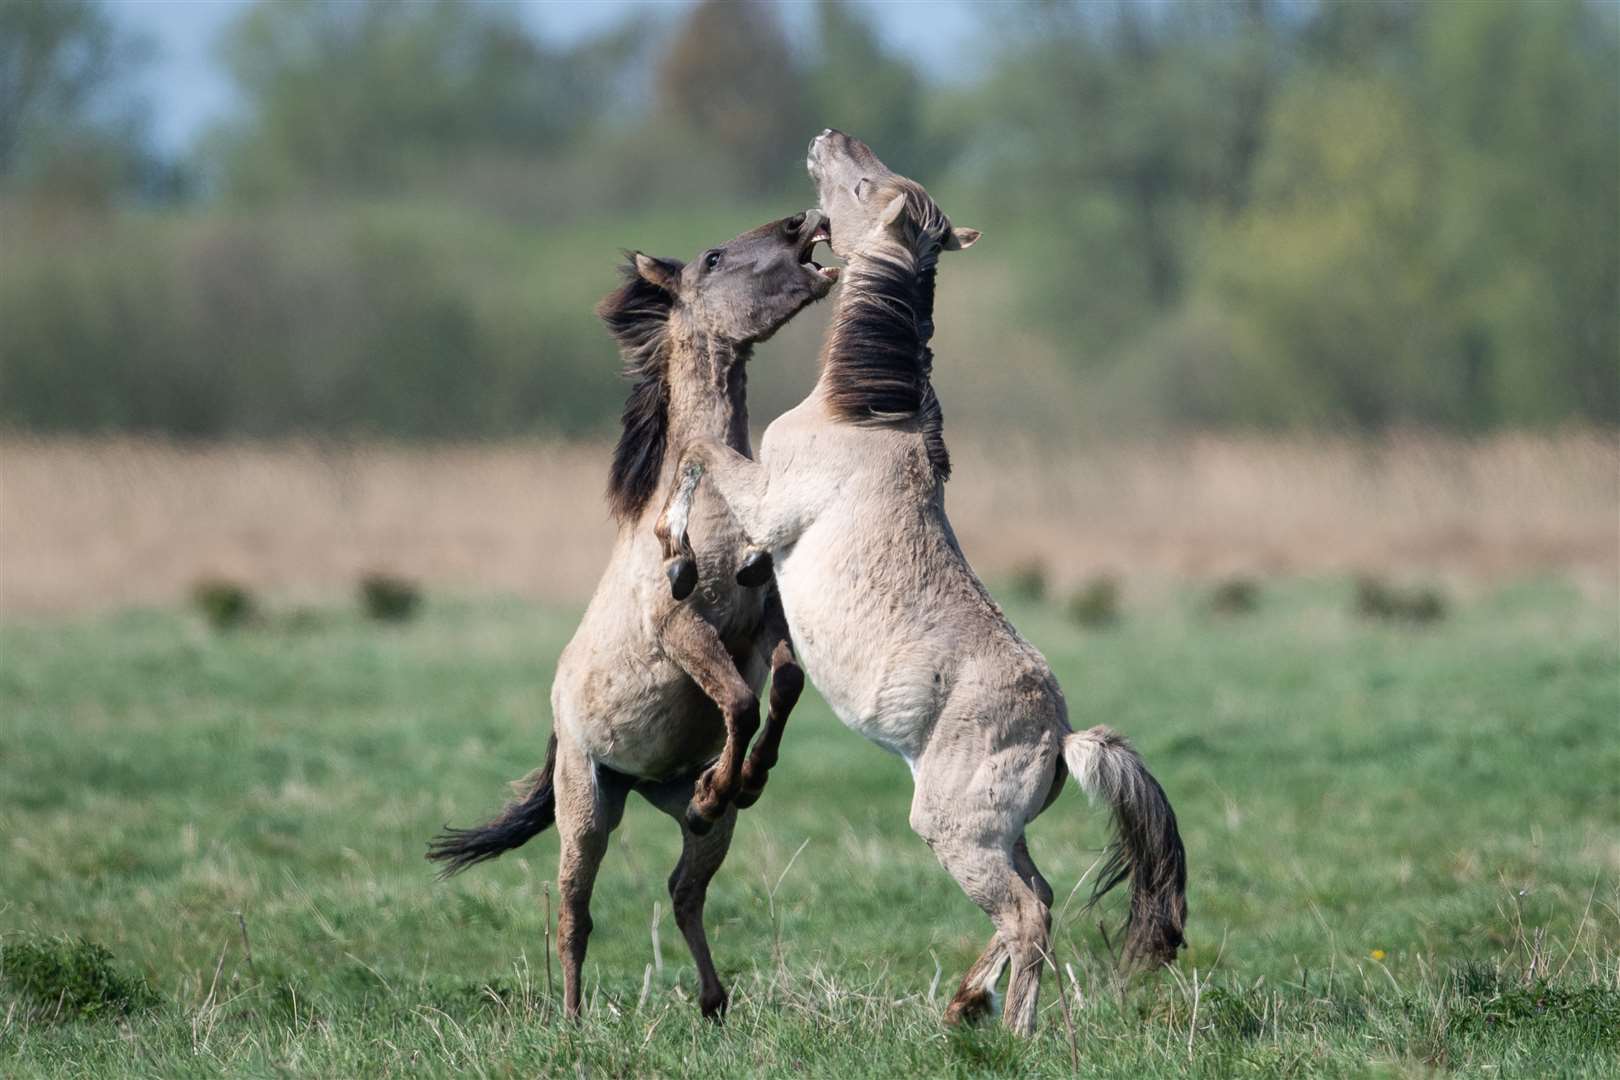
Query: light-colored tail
x=1146, y=847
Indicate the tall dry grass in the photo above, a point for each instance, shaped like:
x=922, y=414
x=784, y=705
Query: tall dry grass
x=98, y=523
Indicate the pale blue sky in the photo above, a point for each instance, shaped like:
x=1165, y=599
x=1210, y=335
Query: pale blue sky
x=188, y=91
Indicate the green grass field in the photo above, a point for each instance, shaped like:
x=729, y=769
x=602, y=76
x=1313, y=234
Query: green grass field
x=1404, y=848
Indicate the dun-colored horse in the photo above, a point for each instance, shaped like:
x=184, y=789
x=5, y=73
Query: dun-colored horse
x=890, y=621
x=649, y=691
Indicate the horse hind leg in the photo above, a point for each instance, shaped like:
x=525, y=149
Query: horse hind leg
x=975, y=998
x=1031, y=875
x=993, y=868
x=701, y=856
x=1025, y=922
x=590, y=803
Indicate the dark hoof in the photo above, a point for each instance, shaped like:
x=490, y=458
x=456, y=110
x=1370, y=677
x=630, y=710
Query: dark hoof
x=755, y=570
x=696, y=822
x=714, y=1008
x=748, y=797
x=683, y=576
x=969, y=1007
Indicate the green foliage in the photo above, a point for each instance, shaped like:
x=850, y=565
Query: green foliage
x=225, y=605
x=729, y=79
x=366, y=96
x=64, y=133
x=1340, y=213
x=1096, y=603
x=1348, y=219
x=1027, y=582
x=1419, y=604
x=1111, y=136
x=389, y=598
x=1488, y=1003
x=855, y=84
x=71, y=979
x=1341, y=225
x=1401, y=239
x=378, y=323
x=1235, y=596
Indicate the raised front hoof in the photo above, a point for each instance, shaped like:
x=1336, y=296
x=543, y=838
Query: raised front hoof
x=969, y=1007
x=696, y=822
x=714, y=1005
x=755, y=570
x=752, y=784
x=682, y=572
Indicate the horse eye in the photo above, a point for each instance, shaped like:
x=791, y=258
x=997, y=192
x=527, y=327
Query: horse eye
x=860, y=189
x=711, y=260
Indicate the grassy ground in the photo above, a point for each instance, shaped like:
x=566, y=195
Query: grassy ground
x=1405, y=852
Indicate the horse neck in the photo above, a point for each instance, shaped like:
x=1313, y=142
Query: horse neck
x=708, y=393
x=876, y=365
x=881, y=325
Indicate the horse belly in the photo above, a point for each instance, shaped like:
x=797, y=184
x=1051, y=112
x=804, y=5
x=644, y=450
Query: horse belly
x=643, y=721
x=873, y=680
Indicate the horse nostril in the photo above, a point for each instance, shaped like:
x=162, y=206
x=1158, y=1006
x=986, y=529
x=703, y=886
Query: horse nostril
x=793, y=224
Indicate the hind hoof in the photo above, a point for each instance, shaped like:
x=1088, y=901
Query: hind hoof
x=714, y=1007
x=683, y=576
x=969, y=1007
x=755, y=570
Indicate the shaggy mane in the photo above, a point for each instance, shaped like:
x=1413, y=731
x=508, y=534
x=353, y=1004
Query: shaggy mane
x=637, y=315
x=878, y=364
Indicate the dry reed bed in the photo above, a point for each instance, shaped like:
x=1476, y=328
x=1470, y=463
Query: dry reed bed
x=96, y=523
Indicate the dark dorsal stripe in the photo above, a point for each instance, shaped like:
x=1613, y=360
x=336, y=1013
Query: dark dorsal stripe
x=878, y=363
x=637, y=315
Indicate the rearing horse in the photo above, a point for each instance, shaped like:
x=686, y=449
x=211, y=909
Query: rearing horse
x=890, y=621
x=634, y=700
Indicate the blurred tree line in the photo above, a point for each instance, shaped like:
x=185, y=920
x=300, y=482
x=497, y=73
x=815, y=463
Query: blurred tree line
x=1264, y=213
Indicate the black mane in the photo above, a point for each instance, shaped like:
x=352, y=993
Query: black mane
x=637, y=315
x=878, y=361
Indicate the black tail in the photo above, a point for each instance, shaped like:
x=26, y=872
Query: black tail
x=519, y=822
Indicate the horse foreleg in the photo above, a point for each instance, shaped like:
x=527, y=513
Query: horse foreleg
x=696, y=647
x=737, y=481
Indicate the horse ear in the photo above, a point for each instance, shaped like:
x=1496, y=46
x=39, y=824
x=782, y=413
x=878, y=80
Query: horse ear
x=961, y=238
x=661, y=273
x=892, y=212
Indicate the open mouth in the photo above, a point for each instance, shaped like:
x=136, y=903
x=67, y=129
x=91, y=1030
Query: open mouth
x=822, y=232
